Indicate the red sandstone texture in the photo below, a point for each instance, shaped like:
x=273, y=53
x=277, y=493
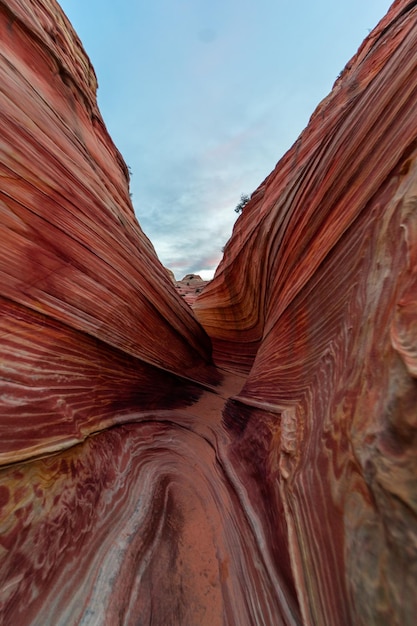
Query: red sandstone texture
x=249, y=460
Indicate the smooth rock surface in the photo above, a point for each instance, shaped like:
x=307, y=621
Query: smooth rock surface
x=249, y=459
x=79, y=281
x=324, y=322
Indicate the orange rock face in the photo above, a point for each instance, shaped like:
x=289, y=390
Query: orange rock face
x=249, y=460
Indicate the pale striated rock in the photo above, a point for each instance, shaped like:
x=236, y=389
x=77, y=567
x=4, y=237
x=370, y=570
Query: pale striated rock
x=190, y=287
x=139, y=482
x=171, y=274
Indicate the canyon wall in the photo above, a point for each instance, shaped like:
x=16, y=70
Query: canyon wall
x=250, y=459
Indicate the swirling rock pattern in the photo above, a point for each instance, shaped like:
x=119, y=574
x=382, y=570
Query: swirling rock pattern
x=249, y=460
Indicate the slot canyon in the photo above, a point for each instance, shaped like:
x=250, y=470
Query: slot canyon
x=245, y=456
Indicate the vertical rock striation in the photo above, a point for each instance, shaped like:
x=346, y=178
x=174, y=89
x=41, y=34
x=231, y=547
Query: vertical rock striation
x=249, y=460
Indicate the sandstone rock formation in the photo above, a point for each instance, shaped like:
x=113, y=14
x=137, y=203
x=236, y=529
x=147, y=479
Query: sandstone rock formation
x=248, y=461
x=190, y=287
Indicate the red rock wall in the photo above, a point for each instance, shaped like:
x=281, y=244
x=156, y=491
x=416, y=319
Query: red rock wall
x=80, y=282
x=325, y=324
x=139, y=483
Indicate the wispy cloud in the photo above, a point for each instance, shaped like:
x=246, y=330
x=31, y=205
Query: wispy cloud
x=195, y=199
x=202, y=98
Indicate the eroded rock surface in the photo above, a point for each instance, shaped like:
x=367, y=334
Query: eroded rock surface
x=190, y=287
x=249, y=460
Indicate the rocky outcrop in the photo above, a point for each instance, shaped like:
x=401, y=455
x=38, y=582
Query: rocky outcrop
x=249, y=460
x=190, y=287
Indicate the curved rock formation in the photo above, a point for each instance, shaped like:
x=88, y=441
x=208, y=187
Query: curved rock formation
x=251, y=460
x=80, y=282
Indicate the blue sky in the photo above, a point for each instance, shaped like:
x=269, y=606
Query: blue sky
x=203, y=97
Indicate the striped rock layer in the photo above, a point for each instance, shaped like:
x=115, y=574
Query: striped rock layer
x=249, y=459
